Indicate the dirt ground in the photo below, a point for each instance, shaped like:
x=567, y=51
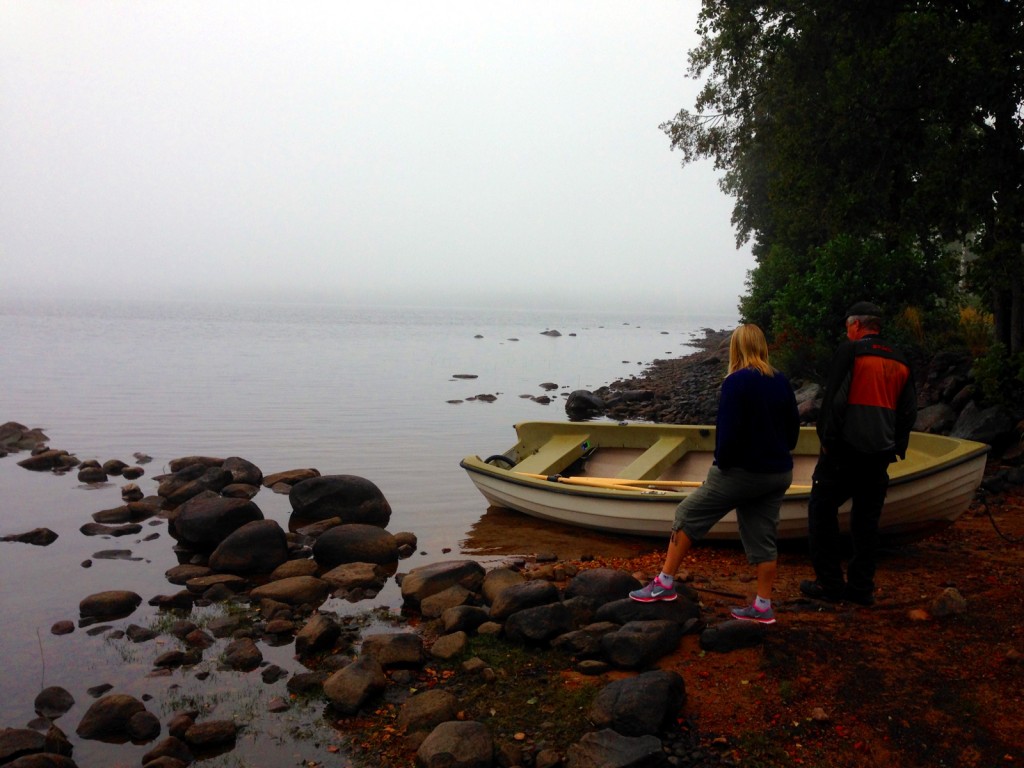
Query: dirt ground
x=890, y=685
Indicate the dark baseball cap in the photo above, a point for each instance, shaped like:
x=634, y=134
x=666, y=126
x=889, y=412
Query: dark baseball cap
x=864, y=308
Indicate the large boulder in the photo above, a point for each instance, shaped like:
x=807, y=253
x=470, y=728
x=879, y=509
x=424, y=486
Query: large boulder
x=109, y=716
x=642, y=705
x=191, y=481
x=420, y=583
x=354, y=543
x=519, y=597
x=601, y=584
x=242, y=471
x=206, y=520
x=256, y=547
x=640, y=643
x=457, y=744
x=994, y=425
x=112, y=604
x=349, y=688
x=354, y=499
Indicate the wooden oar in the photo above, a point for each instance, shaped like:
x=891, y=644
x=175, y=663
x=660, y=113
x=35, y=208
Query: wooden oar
x=623, y=484
x=591, y=482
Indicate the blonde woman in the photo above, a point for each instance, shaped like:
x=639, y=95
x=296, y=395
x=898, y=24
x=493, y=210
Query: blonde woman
x=757, y=429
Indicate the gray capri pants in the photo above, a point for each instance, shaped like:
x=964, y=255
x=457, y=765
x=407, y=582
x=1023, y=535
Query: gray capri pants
x=755, y=496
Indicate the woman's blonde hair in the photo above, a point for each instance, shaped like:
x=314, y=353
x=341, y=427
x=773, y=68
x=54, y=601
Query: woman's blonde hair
x=748, y=348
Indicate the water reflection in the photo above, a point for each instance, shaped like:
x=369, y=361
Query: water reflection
x=504, y=532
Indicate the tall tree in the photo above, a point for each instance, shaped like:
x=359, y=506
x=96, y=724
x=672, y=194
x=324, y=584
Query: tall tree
x=893, y=123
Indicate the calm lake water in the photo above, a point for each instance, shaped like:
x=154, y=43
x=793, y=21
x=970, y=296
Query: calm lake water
x=347, y=391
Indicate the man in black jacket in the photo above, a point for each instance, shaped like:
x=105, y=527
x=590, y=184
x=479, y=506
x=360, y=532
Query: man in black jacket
x=868, y=410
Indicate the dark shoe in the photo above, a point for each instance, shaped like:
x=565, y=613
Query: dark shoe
x=859, y=598
x=816, y=591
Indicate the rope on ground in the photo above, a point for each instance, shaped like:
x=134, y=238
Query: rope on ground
x=995, y=526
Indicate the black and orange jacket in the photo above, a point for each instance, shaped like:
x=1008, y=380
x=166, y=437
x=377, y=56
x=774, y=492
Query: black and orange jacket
x=870, y=402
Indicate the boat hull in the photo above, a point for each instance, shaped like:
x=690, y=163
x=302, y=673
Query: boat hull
x=930, y=494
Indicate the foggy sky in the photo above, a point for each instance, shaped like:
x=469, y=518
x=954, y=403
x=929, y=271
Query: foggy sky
x=375, y=152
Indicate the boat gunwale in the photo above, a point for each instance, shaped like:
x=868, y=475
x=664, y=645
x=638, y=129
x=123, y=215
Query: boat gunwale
x=645, y=494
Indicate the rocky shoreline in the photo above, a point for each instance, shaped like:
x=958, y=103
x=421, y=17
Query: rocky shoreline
x=433, y=690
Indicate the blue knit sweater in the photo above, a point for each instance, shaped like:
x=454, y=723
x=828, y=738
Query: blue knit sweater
x=758, y=424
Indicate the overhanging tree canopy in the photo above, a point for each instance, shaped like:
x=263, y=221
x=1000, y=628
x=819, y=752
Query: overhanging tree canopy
x=893, y=124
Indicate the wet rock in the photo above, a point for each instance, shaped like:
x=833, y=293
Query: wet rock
x=62, y=627
x=538, y=624
x=43, y=760
x=239, y=491
x=521, y=596
x=182, y=574
x=455, y=596
x=354, y=543
x=307, y=683
x=352, y=575
x=457, y=744
x=97, y=529
x=205, y=521
x=54, y=701
x=131, y=492
x=132, y=473
x=449, y=646
x=143, y=727
x=303, y=567
x=289, y=477
x=349, y=688
x=243, y=655
x=171, y=748
x=242, y=471
x=421, y=583
x=211, y=734
x=354, y=499
x=680, y=611
x=110, y=604
x=108, y=717
x=16, y=742
x=585, y=641
x=45, y=461
x=200, y=585
x=644, y=704
x=91, y=475
x=18, y=437
x=463, y=618
x=639, y=644
x=39, y=537
x=394, y=649
x=294, y=591
x=498, y=579
x=423, y=712
x=130, y=512
x=318, y=634
x=256, y=547
x=609, y=749
x=191, y=481
x=114, y=467
x=604, y=585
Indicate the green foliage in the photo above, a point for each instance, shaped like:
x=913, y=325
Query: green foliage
x=900, y=126
x=1000, y=375
x=808, y=311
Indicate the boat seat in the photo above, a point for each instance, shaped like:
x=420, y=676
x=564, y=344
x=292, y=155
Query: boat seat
x=555, y=455
x=653, y=462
